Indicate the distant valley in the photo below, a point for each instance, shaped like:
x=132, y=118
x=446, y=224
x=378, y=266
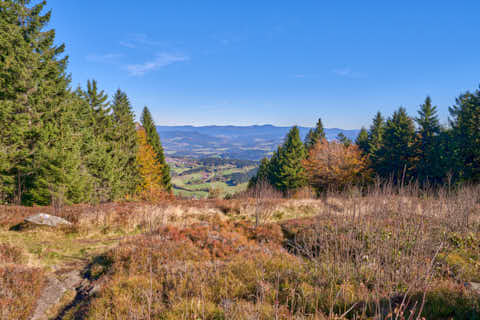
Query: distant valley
x=230, y=142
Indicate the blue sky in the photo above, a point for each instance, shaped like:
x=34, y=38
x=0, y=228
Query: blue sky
x=278, y=62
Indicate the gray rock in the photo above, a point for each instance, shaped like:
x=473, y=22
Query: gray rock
x=47, y=220
x=54, y=291
x=475, y=286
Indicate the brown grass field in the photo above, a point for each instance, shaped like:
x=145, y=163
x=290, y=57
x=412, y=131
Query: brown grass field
x=387, y=254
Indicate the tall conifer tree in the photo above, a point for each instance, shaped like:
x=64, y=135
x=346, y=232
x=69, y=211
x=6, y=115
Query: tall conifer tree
x=37, y=110
x=125, y=146
x=375, y=138
x=343, y=139
x=99, y=105
x=287, y=169
x=428, y=164
x=154, y=140
x=466, y=133
x=396, y=154
x=315, y=135
x=101, y=159
x=362, y=141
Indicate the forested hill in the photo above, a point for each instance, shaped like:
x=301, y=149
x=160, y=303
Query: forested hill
x=240, y=142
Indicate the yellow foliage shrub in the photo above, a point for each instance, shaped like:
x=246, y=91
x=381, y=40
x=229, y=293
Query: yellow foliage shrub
x=334, y=166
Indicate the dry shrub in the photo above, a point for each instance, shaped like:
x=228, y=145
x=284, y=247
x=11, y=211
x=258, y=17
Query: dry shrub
x=214, y=193
x=20, y=287
x=360, y=256
x=398, y=248
x=261, y=190
x=10, y=254
x=154, y=194
x=304, y=193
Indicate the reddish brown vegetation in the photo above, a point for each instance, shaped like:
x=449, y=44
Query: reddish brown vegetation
x=20, y=286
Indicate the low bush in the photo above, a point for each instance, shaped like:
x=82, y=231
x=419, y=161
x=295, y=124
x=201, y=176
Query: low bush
x=20, y=287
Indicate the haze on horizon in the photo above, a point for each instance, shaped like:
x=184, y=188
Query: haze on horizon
x=224, y=63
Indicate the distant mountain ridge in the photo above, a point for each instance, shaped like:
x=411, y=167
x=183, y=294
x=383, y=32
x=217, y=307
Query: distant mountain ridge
x=235, y=142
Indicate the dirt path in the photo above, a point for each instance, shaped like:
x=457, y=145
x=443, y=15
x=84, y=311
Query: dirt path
x=55, y=289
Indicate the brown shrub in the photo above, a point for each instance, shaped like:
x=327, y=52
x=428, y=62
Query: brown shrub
x=20, y=287
x=10, y=254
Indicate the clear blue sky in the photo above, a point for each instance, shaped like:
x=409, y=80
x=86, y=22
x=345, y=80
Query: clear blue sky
x=279, y=62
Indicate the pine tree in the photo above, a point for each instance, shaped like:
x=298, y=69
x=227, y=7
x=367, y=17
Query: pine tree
x=154, y=140
x=396, y=154
x=343, y=139
x=100, y=109
x=362, y=141
x=262, y=174
x=375, y=138
x=466, y=134
x=428, y=164
x=125, y=147
x=101, y=159
x=287, y=170
x=315, y=135
x=42, y=152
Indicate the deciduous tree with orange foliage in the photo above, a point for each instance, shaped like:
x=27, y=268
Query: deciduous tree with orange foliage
x=151, y=171
x=334, y=166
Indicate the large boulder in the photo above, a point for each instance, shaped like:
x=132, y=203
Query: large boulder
x=47, y=220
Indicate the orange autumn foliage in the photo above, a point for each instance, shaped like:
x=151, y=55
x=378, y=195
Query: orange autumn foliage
x=334, y=166
x=150, y=187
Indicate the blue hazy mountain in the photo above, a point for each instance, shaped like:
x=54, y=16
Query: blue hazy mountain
x=236, y=142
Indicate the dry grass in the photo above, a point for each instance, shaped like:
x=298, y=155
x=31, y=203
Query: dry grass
x=20, y=286
x=386, y=254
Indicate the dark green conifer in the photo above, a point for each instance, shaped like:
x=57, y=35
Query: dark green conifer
x=343, y=139
x=125, y=146
x=36, y=109
x=314, y=135
x=375, y=138
x=428, y=165
x=262, y=173
x=287, y=169
x=101, y=160
x=99, y=105
x=396, y=153
x=362, y=140
x=465, y=123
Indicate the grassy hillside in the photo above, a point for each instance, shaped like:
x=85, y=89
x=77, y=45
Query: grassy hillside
x=197, y=178
x=344, y=257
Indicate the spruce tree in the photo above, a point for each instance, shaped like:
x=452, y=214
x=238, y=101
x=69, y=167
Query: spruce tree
x=396, y=154
x=428, y=165
x=125, y=147
x=101, y=160
x=154, y=140
x=375, y=138
x=43, y=154
x=100, y=109
x=362, y=141
x=465, y=122
x=262, y=174
x=287, y=169
x=315, y=135
x=343, y=139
